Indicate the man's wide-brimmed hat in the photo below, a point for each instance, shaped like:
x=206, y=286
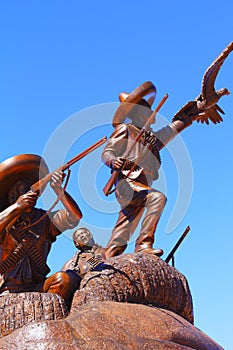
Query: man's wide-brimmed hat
x=25, y=167
x=137, y=96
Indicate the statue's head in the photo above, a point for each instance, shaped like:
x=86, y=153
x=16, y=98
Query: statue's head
x=17, y=189
x=223, y=91
x=17, y=175
x=83, y=238
x=136, y=106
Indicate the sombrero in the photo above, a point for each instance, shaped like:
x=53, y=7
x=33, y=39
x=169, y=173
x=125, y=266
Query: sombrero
x=128, y=101
x=28, y=167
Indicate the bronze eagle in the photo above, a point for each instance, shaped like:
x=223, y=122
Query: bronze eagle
x=204, y=107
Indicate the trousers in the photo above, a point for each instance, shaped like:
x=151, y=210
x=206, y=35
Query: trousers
x=152, y=202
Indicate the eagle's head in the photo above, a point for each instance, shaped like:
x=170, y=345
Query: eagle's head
x=222, y=92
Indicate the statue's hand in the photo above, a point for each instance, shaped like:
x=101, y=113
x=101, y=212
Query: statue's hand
x=27, y=200
x=150, y=138
x=118, y=163
x=57, y=179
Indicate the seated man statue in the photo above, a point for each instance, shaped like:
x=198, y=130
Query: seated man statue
x=26, y=233
x=88, y=256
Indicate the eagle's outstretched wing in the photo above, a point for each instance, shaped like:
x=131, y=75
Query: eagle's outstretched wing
x=210, y=114
x=189, y=109
x=208, y=80
x=204, y=107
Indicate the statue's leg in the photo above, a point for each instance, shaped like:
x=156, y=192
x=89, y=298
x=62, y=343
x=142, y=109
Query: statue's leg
x=63, y=283
x=155, y=203
x=126, y=224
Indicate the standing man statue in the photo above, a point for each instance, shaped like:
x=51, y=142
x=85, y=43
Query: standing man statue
x=26, y=233
x=134, y=193
x=126, y=151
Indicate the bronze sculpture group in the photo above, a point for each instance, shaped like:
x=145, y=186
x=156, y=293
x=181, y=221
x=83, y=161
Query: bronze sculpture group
x=132, y=152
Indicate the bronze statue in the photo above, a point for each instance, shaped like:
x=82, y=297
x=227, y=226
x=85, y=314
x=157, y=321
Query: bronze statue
x=134, y=193
x=26, y=232
x=205, y=107
x=89, y=255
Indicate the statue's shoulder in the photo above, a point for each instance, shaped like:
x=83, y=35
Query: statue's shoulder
x=121, y=127
x=128, y=128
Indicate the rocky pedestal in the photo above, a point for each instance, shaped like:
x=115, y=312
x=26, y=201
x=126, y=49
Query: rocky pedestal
x=136, y=301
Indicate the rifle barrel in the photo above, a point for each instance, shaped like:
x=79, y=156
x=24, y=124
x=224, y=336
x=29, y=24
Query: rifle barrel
x=84, y=153
x=174, y=249
x=41, y=184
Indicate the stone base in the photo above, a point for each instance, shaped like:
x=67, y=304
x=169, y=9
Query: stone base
x=136, y=301
x=19, y=309
x=113, y=326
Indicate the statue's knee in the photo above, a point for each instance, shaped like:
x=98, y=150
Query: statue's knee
x=163, y=199
x=63, y=283
x=158, y=198
x=56, y=282
x=61, y=277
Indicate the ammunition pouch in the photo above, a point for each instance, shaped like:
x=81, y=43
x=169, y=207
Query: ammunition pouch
x=26, y=246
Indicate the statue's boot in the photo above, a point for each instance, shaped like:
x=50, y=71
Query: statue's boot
x=144, y=244
x=114, y=248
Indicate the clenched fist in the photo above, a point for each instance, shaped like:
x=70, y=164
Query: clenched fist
x=57, y=179
x=27, y=200
x=118, y=163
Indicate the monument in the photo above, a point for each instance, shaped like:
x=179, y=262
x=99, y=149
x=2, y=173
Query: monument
x=120, y=301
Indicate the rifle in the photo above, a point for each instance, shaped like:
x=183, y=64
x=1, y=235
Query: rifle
x=41, y=184
x=176, y=246
x=115, y=173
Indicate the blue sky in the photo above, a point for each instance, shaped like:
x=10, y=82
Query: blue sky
x=63, y=65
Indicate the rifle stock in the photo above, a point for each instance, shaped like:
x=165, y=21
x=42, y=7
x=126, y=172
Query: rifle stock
x=109, y=184
x=40, y=185
x=107, y=188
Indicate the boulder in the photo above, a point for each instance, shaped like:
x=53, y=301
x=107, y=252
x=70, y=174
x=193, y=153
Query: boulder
x=137, y=278
x=134, y=301
x=19, y=309
x=113, y=326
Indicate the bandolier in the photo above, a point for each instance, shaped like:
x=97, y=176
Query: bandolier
x=25, y=246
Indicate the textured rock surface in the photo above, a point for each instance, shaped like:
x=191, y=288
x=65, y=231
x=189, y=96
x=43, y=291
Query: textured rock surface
x=112, y=326
x=136, y=302
x=19, y=309
x=138, y=278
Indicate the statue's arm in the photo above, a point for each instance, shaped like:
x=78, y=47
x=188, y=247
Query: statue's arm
x=116, y=146
x=23, y=203
x=72, y=213
x=8, y=215
x=180, y=125
x=167, y=133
